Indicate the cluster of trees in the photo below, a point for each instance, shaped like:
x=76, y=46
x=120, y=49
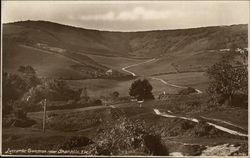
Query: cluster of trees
x=24, y=91
x=50, y=89
x=15, y=85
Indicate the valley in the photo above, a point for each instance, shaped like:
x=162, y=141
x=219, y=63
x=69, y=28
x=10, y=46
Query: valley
x=100, y=67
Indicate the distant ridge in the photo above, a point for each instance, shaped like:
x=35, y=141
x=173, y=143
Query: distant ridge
x=192, y=49
x=153, y=30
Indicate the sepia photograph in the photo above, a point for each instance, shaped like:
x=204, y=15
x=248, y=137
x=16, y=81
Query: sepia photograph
x=124, y=78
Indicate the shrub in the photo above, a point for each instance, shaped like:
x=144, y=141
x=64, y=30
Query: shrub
x=98, y=102
x=115, y=94
x=187, y=91
x=154, y=145
x=124, y=137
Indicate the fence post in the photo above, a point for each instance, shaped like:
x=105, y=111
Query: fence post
x=44, y=115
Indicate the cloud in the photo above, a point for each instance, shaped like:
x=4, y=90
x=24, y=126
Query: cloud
x=107, y=16
x=138, y=13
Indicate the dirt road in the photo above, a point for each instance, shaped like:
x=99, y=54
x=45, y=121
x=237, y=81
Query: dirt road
x=155, y=78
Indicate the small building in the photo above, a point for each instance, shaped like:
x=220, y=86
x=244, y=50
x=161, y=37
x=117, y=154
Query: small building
x=109, y=72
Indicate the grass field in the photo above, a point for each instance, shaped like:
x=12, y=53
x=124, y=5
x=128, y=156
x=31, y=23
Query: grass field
x=99, y=87
x=197, y=80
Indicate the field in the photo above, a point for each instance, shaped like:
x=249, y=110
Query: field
x=113, y=62
x=99, y=87
x=197, y=80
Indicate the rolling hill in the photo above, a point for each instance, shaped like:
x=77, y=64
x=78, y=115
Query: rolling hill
x=191, y=49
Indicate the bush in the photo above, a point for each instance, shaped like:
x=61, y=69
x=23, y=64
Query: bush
x=125, y=137
x=154, y=145
x=187, y=91
x=98, y=102
x=115, y=94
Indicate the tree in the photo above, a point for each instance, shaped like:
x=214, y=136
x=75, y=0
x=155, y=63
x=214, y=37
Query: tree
x=141, y=89
x=226, y=80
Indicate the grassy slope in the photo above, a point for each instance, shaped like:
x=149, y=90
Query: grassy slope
x=197, y=80
x=116, y=63
x=178, y=46
x=197, y=61
x=49, y=65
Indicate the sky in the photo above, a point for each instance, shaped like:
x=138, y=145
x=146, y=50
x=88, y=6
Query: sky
x=129, y=16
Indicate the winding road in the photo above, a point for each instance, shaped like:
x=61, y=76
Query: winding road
x=132, y=73
x=155, y=78
x=233, y=132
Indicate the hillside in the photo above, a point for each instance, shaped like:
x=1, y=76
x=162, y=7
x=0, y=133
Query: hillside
x=184, y=49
